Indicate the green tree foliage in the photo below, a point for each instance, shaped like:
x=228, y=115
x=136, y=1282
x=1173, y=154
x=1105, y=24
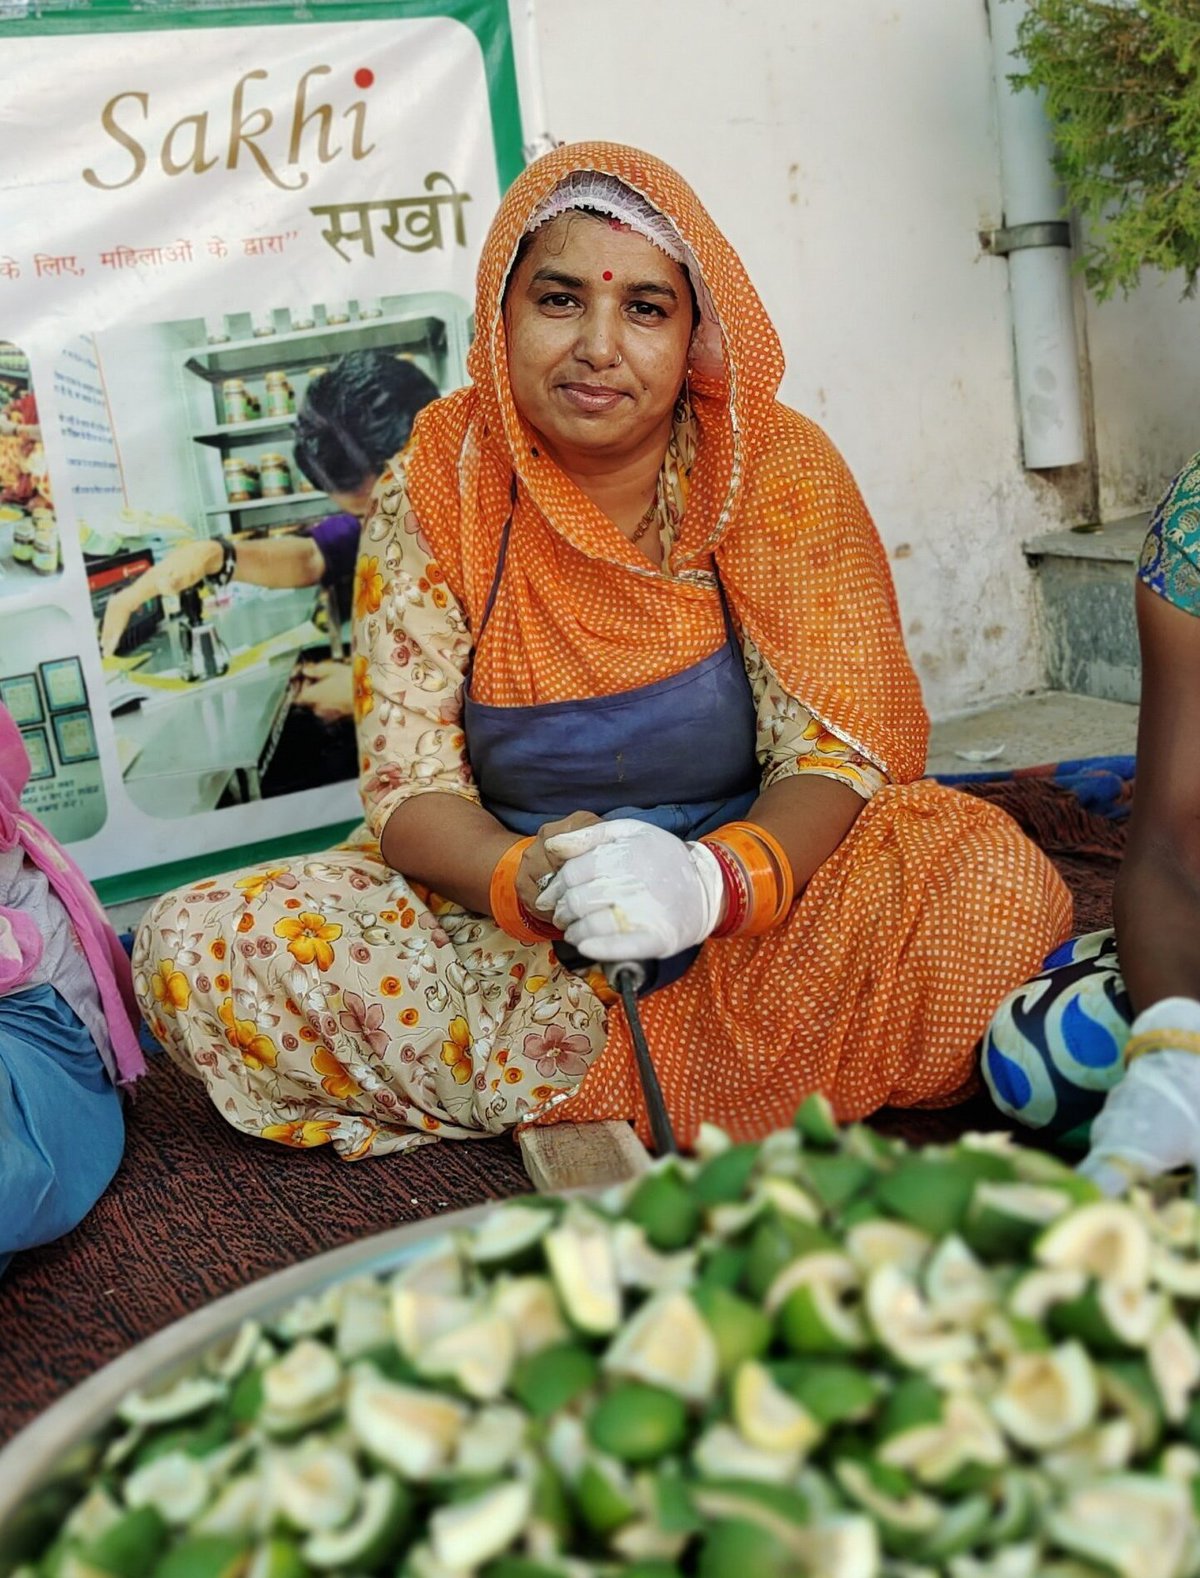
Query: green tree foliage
x=1122, y=83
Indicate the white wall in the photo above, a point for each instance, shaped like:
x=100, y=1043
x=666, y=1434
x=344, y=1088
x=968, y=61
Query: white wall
x=849, y=152
x=1145, y=356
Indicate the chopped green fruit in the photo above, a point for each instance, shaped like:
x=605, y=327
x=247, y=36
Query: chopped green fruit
x=205, y=1556
x=740, y=1328
x=523, y=1567
x=636, y=1423
x=130, y=1548
x=913, y=1402
x=738, y=1548
x=372, y=1537
x=246, y=1399
x=604, y=1503
x=775, y=1242
x=278, y=1558
x=725, y=1267
x=816, y=1122
x=931, y=1194
x=664, y=1205
x=837, y=1180
x=1003, y=1219
x=832, y=1392
x=725, y=1178
x=547, y=1381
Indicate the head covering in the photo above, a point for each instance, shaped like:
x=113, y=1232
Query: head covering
x=102, y=948
x=771, y=507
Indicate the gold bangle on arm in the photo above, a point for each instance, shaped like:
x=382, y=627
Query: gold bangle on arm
x=1161, y=1041
x=507, y=910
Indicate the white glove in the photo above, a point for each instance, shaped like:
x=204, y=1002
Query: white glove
x=628, y=890
x=1150, y=1122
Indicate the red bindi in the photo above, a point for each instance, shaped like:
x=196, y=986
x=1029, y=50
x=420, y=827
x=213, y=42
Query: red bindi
x=607, y=274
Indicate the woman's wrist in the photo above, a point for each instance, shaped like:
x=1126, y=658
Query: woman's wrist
x=1172, y=1024
x=508, y=911
x=757, y=877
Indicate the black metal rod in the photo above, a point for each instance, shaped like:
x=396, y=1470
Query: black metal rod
x=626, y=977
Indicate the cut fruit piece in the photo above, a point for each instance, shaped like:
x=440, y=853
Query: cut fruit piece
x=724, y=1179
x=181, y=1401
x=129, y=1548
x=789, y=1199
x=531, y=1306
x=815, y=1121
x=810, y=1302
x=740, y=1329
x=664, y=1205
x=509, y=1233
x=373, y=1536
x=1107, y=1448
x=310, y=1314
x=1036, y=1294
x=419, y=1317
x=775, y=1243
x=478, y=1356
x=1016, y=1516
x=637, y=1423
x=303, y=1386
x=962, y=1528
x=832, y=1393
x=957, y=1286
x=1110, y=1318
x=409, y=1429
x=646, y=1268
x=1175, y=1366
x=768, y=1416
x=439, y=1268
x=89, y=1518
x=583, y=1264
x=902, y=1514
x=604, y=1496
x=1175, y=1274
x=176, y=1485
x=738, y=1548
x=468, y=1533
x=277, y=1558
x=1128, y=1386
x=364, y=1322
x=931, y=1193
x=837, y=1179
x=1132, y=1524
x=962, y=1436
x=1105, y=1240
x=554, y=1378
x=906, y=1326
x=493, y=1442
x=229, y=1359
x=239, y=1508
x=724, y=1453
x=1003, y=1219
x=879, y=1241
x=1046, y=1398
x=667, y=1343
x=315, y=1486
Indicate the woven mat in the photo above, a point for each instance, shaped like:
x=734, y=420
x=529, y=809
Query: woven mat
x=198, y=1210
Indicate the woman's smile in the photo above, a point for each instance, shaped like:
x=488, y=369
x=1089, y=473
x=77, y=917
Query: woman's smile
x=592, y=399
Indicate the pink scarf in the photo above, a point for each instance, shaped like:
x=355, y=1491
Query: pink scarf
x=20, y=941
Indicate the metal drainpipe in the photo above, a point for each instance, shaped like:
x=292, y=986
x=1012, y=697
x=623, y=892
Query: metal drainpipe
x=1037, y=242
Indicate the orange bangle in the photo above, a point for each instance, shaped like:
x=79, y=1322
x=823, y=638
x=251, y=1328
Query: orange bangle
x=507, y=909
x=768, y=874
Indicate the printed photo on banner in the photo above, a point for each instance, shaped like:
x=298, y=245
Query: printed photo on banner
x=221, y=564
x=29, y=547
x=238, y=263
x=48, y=698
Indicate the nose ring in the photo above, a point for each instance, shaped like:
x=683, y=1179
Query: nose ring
x=617, y=360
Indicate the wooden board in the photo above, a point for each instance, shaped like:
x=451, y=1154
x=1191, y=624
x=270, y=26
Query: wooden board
x=581, y=1155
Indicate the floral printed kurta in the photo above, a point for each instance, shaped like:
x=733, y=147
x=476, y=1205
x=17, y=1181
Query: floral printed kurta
x=329, y=1000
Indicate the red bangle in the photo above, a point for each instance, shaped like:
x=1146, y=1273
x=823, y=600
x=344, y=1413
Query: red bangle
x=756, y=867
x=737, y=890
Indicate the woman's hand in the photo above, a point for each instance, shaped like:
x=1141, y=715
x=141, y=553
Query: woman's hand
x=538, y=864
x=326, y=688
x=628, y=890
x=174, y=573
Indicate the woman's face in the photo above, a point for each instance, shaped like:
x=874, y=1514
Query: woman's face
x=598, y=323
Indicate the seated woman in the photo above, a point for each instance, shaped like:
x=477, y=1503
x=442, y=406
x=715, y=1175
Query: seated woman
x=1057, y=1053
x=626, y=644
x=67, y=1036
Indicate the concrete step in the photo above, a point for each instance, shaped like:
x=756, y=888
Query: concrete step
x=1085, y=579
x=1030, y=731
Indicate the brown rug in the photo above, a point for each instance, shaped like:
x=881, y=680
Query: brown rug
x=198, y=1210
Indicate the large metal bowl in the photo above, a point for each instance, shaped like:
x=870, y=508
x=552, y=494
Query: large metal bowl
x=42, y=1468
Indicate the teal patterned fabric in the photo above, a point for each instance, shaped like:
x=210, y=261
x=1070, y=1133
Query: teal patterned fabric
x=1170, y=562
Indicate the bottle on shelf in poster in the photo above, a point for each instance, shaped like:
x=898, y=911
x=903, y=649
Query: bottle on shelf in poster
x=263, y=323
x=370, y=309
x=337, y=312
x=216, y=330
x=45, y=542
x=235, y=400
x=22, y=548
x=275, y=475
x=242, y=480
x=280, y=396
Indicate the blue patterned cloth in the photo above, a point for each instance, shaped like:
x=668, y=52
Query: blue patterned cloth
x=1170, y=562
x=1056, y=1045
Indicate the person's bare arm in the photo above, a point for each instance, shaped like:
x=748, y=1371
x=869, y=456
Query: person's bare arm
x=810, y=815
x=279, y=561
x=1157, y=898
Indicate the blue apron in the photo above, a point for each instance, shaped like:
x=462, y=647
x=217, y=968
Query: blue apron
x=679, y=753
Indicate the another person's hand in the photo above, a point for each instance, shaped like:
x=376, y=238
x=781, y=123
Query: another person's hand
x=538, y=865
x=174, y=573
x=1150, y=1122
x=327, y=689
x=628, y=890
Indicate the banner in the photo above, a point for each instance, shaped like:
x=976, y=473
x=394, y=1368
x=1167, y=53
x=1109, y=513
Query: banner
x=213, y=224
